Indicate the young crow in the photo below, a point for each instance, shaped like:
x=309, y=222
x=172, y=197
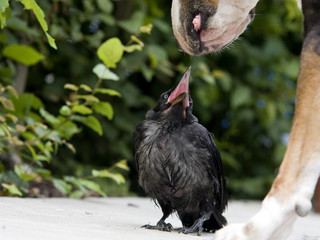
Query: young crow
x=179, y=165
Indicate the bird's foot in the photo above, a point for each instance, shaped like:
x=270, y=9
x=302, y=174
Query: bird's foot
x=198, y=225
x=192, y=230
x=161, y=226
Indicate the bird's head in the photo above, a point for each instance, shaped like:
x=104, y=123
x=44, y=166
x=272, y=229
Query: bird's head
x=175, y=104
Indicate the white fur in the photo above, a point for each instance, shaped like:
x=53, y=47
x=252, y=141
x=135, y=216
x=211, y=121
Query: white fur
x=230, y=12
x=230, y=20
x=279, y=211
x=176, y=24
x=274, y=221
x=307, y=182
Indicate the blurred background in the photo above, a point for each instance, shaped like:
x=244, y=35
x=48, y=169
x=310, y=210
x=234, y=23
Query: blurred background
x=244, y=94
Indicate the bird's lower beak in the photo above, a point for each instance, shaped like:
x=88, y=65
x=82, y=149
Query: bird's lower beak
x=181, y=92
x=182, y=97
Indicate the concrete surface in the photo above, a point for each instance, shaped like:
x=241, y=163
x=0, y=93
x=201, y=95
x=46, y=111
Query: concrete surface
x=111, y=219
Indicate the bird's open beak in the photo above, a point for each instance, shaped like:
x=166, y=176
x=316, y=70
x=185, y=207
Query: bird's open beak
x=181, y=92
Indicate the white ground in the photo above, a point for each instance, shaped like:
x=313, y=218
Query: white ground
x=112, y=219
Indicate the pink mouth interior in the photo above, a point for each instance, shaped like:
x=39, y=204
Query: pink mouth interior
x=182, y=87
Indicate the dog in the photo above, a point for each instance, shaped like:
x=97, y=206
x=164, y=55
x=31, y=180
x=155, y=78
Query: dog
x=204, y=26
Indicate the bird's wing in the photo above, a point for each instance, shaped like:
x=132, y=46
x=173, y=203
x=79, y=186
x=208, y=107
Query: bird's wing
x=137, y=139
x=214, y=164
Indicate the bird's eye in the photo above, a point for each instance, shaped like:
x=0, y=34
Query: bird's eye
x=166, y=96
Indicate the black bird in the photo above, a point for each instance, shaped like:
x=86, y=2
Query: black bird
x=179, y=165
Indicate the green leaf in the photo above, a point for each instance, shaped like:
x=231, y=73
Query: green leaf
x=4, y=9
x=32, y=151
x=137, y=40
x=42, y=158
x=92, y=186
x=12, y=91
x=74, y=181
x=240, y=96
x=5, y=131
x=2, y=119
x=67, y=129
x=90, y=122
x=86, y=87
x=110, y=52
x=105, y=5
x=123, y=165
x=18, y=169
x=62, y=186
x=3, y=20
x=133, y=24
x=12, y=117
x=104, y=73
x=7, y=103
x=71, y=87
x=12, y=188
x=146, y=29
x=32, y=5
x=117, y=177
x=52, y=41
x=65, y=111
x=25, y=103
x=23, y=54
x=104, y=108
x=77, y=194
x=49, y=117
x=110, y=92
x=45, y=173
x=88, y=98
x=48, y=146
x=82, y=109
x=132, y=48
x=3, y=5
x=71, y=147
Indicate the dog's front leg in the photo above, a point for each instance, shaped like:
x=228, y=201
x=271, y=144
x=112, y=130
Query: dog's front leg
x=293, y=188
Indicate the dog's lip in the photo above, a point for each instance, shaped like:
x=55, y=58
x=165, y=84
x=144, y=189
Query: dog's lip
x=205, y=37
x=211, y=39
x=202, y=39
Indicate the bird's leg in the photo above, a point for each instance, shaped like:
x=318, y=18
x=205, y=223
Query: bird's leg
x=198, y=225
x=162, y=225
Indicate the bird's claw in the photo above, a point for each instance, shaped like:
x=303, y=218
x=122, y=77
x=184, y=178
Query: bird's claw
x=198, y=225
x=161, y=226
x=192, y=230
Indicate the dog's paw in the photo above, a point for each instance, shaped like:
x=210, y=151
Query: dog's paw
x=232, y=232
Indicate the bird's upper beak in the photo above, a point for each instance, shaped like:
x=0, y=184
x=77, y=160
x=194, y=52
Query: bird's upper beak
x=181, y=92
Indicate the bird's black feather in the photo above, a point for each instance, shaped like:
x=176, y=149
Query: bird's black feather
x=179, y=166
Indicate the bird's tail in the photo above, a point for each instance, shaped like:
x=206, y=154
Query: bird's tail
x=215, y=222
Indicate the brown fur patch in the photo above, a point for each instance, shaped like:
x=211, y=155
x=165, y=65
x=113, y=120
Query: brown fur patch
x=214, y=3
x=248, y=229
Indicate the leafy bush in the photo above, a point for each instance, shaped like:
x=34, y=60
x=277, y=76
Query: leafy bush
x=32, y=135
x=244, y=95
